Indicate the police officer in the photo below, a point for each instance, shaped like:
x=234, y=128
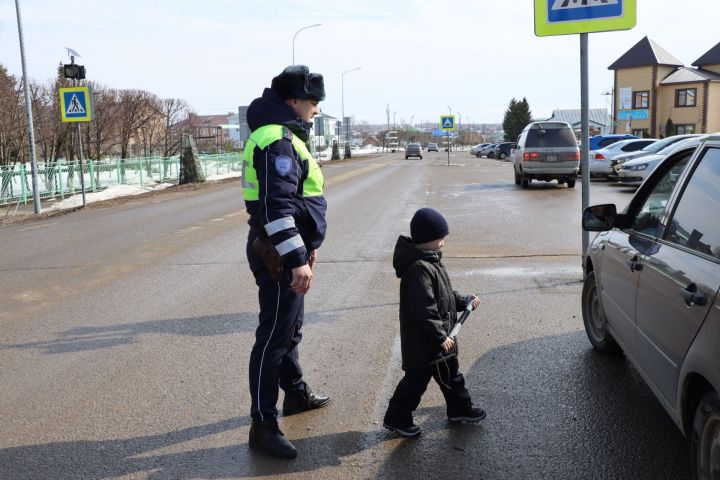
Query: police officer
x=283, y=192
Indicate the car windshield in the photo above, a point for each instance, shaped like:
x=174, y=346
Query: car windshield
x=661, y=144
x=671, y=147
x=550, y=137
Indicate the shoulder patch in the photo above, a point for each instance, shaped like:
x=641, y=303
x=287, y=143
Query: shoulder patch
x=282, y=165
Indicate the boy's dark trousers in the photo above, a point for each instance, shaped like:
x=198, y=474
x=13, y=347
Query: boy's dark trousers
x=411, y=388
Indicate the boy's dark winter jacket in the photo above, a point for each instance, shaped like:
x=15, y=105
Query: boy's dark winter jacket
x=428, y=304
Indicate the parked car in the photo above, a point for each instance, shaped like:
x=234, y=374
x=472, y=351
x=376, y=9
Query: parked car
x=487, y=151
x=649, y=150
x=601, y=141
x=476, y=148
x=634, y=172
x=502, y=150
x=600, y=165
x=651, y=291
x=546, y=151
x=413, y=150
x=432, y=147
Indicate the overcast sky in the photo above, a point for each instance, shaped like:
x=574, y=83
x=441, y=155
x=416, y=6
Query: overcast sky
x=418, y=56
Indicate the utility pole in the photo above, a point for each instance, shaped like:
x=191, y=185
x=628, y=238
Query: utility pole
x=28, y=111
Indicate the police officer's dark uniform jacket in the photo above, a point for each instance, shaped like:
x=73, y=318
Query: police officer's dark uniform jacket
x=282, y=188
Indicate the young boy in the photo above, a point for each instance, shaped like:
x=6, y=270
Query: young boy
x=428, y=311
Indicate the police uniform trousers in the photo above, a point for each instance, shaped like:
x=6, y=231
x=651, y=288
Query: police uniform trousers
x=412, y=386
x=274, y=359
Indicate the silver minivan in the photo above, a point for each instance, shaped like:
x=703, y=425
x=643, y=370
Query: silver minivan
x=546, y=151
x=652, y=277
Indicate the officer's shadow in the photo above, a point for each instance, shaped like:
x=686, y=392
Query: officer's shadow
x=162, y=456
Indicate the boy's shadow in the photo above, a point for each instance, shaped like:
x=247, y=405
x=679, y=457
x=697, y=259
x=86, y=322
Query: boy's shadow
x=116, y=458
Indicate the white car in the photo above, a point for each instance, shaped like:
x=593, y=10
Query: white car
x=634, y=172
x=474, y=150
x=600, y=159
x=655, y=147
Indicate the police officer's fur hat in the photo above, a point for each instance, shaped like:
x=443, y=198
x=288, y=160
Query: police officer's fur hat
x=296, y=81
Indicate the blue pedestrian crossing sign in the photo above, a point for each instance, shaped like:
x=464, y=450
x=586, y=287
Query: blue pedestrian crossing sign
x=76, y=104
x=562, y=17
x=447, y=123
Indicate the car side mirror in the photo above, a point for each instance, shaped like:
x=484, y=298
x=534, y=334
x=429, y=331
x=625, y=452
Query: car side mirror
x=599, y=218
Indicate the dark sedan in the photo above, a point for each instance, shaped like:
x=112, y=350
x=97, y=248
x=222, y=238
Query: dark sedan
x=413, y=150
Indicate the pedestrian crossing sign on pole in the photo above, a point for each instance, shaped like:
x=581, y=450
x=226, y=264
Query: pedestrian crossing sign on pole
x=76, y=104
x=564, y=17
x=447, y=123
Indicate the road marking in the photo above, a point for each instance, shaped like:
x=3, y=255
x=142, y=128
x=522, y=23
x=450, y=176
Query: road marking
x=35, y=227
x=355, y=173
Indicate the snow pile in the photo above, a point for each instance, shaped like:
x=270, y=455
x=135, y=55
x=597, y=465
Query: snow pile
x=122, y=191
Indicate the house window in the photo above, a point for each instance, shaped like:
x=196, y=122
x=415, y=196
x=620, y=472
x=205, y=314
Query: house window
x=684, y=128
x=641, y=99
x=685, y=97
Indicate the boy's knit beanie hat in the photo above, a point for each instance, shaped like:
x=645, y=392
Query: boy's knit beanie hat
x=428, y=225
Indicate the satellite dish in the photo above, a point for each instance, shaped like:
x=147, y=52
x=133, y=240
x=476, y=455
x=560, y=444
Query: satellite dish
x=71, y=52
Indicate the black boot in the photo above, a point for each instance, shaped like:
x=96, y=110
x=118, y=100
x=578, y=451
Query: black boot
x=267, y=437
x=303, y=400
x=468, y=414
x=402, y=424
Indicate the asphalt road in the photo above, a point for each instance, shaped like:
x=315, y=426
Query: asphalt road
x=125, y=333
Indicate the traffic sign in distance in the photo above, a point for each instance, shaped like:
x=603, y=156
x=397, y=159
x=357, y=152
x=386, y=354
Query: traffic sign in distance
x=76, y=104
x=447, y=123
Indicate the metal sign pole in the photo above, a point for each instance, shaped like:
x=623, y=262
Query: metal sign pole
x=448, y=146
x=584, y=135
x=80, y=153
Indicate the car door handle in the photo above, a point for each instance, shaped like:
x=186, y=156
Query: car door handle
x=692, y=296
x=634, y=264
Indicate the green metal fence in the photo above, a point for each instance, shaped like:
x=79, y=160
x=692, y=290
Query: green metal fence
x=62, y=179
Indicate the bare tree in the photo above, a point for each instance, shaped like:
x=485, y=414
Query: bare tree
x=136, y=108
x=176, y=113
x=12, y=123
x=101, y=135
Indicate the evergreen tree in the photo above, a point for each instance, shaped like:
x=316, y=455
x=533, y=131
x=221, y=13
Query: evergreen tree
x=669, y=128
x=517, y=116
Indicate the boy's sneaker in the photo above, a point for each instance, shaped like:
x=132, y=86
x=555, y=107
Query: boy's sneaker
x=406, y=430
x=470, y=414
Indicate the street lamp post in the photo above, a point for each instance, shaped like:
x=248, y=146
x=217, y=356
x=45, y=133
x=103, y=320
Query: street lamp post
x=347, y=126
x=28, y=111
x=448, y=137
x=296, y=33
x=460, y=128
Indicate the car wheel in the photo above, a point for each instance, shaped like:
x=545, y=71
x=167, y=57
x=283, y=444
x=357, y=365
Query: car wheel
x=524, y=181
x=406, y=157
x=478, y=155
x=594, y=318
x=491, y=155
x=571, y=182
x=517, y=178
x=705, y=440
x=502, y=156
